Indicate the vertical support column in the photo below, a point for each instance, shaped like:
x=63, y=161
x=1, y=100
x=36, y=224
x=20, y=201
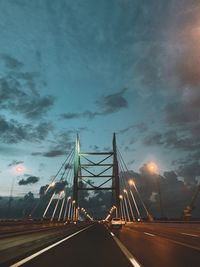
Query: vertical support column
x=76, y=171
x=115, y=181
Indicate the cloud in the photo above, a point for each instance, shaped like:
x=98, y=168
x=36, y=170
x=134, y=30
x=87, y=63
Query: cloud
x=153, y=139
x=140, y=128
x=108, y=104
x=54, y=153
x=173, y=139
x=29, y=180
x=113, y=102
x=61, y=146
x=86, y=114
x=14, y=163
x=189, y=170
x=12, y=132
x=11, y=62
x=19, y=90
x=33, y=105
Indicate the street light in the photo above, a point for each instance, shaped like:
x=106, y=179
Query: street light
x=126, y=206
x=131, y=183
x=144, y=206
x=153, y=168
x=133, y=217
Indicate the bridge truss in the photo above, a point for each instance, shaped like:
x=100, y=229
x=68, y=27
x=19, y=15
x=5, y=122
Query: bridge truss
x=103, y=166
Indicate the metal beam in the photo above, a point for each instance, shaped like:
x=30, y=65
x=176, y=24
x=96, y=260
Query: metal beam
x=95, y=153
x=96, y=188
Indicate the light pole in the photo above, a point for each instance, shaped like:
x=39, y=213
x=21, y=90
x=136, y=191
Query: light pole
x=150, y=217
x=126, y=206
x=62, y=206
x=131, y=182
x=133, y=217
x=122, y=207
x=153, y=168
x=74, y=210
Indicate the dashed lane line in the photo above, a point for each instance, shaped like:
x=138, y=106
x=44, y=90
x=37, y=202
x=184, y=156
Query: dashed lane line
x=149, y=234
x=193, y=235
x=173, y=241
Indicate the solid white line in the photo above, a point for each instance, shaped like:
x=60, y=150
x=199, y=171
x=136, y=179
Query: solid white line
x=149, y=234
x=19, y=263
x=190, y=234
x=126, y=252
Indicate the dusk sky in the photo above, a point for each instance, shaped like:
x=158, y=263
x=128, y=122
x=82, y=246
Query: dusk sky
x=95, y=68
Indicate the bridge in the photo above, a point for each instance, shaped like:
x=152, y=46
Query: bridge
x=60, y=230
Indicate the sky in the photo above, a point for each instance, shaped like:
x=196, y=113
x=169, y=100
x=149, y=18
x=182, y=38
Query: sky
x=95, y=68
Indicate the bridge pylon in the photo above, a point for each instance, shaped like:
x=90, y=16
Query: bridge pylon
x=104, y=167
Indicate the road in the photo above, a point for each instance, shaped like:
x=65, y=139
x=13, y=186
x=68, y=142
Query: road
x=147, y=245
x=162, y=245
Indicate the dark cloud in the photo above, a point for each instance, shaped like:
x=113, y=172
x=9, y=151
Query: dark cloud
x=54, y=153
x=14, y=163
x=153, y=139
x=19, y=91
x=12, y=132
x=61, y=146
x=12, y=93
x=113, y=102
x=108, y=104
x=173, y=139
x=11, y=62
x=86, y=114
x=189, y=170
x=29, y=180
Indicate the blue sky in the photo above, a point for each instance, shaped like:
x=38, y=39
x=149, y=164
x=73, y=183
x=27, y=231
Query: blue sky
x=98, y=67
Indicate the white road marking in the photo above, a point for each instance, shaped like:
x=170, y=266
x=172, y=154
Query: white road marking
x=21, y=262
x=190, y=234
x=126, y=252
x=170, y=240
x=149, y=234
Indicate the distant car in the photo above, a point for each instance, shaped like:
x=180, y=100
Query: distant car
x=123, y=221
x=116, y=223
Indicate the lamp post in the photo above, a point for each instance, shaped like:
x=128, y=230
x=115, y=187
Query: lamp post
x=122, y=207
x=126, y=206
x=62, y=206
x=74, y=210
x=133, y=217
x=153, y=168
x=131, y=183
x=150, y=217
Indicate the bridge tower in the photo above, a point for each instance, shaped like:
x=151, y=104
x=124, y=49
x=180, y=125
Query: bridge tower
x=109, y=172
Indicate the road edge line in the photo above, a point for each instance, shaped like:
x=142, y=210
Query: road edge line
x=19, y=263
x=126, y=252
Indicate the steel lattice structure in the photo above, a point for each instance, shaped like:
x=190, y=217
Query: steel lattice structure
x=88, y=170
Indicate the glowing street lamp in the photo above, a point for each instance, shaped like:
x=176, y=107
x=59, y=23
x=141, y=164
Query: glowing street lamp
x=122, y=207
x=52, y=184
x=126, y=206
x=133, y=217
x=132, y=183
x=153, y=168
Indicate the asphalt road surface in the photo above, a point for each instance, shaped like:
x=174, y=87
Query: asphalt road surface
x=160, y=245
x=91, y=247
x=134, y=245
